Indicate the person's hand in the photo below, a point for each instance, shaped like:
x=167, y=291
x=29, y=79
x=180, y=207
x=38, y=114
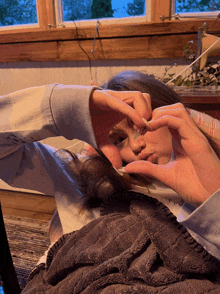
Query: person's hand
x=107, y=108
x=195, y=171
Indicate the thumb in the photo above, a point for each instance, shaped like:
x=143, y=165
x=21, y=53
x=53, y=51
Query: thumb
x=113, y=154
x=145, y=168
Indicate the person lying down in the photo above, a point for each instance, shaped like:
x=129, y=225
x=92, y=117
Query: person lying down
x=130, y=242
x=145, y=146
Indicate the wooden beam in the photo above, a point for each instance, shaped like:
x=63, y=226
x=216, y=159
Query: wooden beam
x=169, y=46
x=40, y=51
x=136, y=41
x=118, y=48
x=27, y=204
x=109, y=31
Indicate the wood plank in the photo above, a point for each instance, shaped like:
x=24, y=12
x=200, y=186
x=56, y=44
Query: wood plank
x=110, y=31
x=40, y=51
x=124, y=48
x=26, y=213
x=27, y=204
x=212, y=100
x=146, y=40
x=169, y=46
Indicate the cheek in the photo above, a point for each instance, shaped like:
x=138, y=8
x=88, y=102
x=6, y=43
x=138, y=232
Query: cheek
x=127, y=155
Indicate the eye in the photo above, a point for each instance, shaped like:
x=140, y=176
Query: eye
x=118, y=139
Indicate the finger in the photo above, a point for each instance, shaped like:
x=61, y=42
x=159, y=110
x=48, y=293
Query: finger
x=142, y=104
x=159, y=172
x=126, y=110
x=148, y=101
x=139, y=101
x=176, y=123
x=185, y=138
x=177, y=110
x=171, y=106
x=105, y=101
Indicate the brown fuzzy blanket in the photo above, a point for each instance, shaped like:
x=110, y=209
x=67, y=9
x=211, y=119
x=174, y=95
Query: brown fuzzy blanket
x=136, y=246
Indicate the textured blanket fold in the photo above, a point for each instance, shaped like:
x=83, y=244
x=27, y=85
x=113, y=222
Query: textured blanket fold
x=136, y=246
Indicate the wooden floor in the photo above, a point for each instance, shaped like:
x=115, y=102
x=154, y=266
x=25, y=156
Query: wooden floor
x=29, y=205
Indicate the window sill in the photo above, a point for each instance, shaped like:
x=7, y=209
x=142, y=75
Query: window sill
x=125, y=41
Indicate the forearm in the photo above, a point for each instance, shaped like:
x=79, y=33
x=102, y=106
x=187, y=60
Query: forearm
x=34, y=114
x=25, y=117
x=40, y=112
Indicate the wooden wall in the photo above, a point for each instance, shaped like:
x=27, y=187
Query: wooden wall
x=113, y=42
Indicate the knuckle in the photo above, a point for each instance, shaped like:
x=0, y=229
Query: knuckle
x=138, y=94
x=154, y=112
x=182, y=108
x=146, y=95
x=180, y=105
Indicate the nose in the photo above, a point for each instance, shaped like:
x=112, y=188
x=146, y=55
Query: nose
x=137, y=145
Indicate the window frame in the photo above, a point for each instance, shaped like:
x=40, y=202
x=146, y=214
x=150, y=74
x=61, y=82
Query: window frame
x=22, y=26
x=45, y=15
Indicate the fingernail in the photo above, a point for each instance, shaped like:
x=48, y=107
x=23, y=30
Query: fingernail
x=120, y=171
x=146, y=123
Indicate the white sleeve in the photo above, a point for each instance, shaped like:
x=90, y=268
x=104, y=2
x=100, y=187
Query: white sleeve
x=34, y=114
x=204, y=223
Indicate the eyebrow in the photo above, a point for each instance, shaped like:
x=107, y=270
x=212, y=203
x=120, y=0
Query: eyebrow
x=126, y=123
x=115, y=131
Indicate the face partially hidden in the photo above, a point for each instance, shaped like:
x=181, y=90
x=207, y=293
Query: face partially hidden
x=155, y=147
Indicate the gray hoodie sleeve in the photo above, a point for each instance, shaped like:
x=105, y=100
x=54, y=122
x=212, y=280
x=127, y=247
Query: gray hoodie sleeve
x=204, y=223
x=34, y=114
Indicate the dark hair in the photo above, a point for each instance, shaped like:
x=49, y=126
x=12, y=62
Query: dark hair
x=160, y=93
x=96, y=179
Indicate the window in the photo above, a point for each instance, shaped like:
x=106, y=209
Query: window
x=192, y=6
x=78, y=10
x=18, y=12
x=96, y=9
